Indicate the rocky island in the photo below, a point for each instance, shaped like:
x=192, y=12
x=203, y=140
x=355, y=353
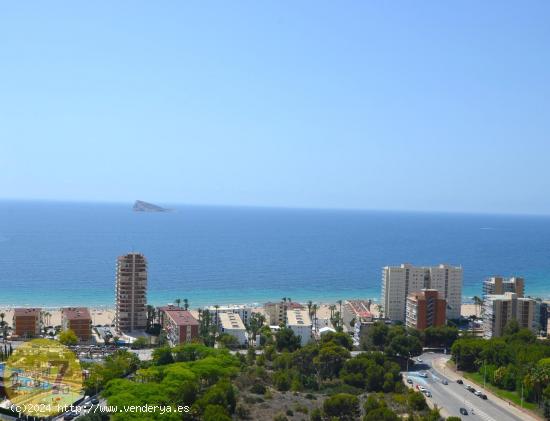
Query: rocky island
x=141, y=206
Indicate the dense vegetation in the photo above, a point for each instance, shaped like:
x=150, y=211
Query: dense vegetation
x=518, y=361
x=320, y=381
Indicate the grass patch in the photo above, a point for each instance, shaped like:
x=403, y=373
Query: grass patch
x=510, y=395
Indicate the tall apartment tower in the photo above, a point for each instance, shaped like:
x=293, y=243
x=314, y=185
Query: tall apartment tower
x=400, y=281
x=425, y=308
x=500, y=309
x=131, y=293
x=498, y=285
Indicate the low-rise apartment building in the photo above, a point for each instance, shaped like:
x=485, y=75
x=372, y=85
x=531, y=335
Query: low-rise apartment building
x=299, y=321
x=179, y=325
x=357, y=312
x=243, y=311
x=276, y=313
x=231, y=324
x=27, y=322
x=79, y=320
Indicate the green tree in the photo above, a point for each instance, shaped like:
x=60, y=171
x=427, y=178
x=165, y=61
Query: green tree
x=339, y=338
x=330, y=360
x=215, y=413
x=342, y=406
x=68, y=337
x=286, y=340
x=228, y=341
x=163, y=356
x=381, y=414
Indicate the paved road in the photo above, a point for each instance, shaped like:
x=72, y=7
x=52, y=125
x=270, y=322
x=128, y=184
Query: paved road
x=453, y=396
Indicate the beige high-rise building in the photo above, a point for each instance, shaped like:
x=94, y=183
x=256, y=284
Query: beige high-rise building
x=131, y=293
x=400, y=281
x=500, y=309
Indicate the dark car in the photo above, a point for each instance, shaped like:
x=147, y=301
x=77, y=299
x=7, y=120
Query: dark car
x=459, y=381
x=409, y=381
x=483, y=396
x=463, y=411
x=95, y=401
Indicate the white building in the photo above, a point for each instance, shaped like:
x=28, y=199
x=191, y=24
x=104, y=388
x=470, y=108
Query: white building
x=243, y=311
x=298, y=320
x=399, y=281
x=232, y=324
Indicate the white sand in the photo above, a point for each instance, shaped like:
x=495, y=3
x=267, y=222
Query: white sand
x=52, y=317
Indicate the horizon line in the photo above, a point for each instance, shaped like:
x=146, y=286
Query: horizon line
x=282, y=207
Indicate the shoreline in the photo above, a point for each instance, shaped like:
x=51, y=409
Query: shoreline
x=104, y=315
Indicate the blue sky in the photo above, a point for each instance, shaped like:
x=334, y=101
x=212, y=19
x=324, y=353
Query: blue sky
x=380, y=105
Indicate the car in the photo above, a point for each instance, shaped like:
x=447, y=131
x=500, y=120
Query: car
x=422, y=388
x=428, y=394
x=463, y=411
x=459, y=381
x=70, y=416
x=409, y=381
x=477, y=393
x=483, y=396
x=445, y=382
x=423, y=374
x=95, y=401
x=419, y=360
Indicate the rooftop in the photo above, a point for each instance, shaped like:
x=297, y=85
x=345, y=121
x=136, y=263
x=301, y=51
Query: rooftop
x=18, y=312
x=181, y=317
x=359, y=307
x=231, y=321
x=298, y=317
x=76, y=313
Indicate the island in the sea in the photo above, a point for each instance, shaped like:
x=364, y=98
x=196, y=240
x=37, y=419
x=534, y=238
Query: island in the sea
x=141, y=206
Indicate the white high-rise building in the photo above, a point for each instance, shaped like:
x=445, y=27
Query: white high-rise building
x=399, y=281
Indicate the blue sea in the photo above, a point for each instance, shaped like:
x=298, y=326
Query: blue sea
x=54, y=254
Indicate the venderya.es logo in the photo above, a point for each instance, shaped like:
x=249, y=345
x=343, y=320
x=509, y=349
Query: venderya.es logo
x=42, y=377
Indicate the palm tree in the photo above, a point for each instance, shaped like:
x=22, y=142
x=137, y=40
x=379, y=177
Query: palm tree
x=309, y=304
x=217, y=319
x=340, y=313
x=332, y=307
x=185, y=304
x=2, y=315
x=478, y=302
x=178, y=302
x=314, y=308
x=150, y=310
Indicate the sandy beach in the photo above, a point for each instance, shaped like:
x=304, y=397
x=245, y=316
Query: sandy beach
x=105, y=316
x=52, y=316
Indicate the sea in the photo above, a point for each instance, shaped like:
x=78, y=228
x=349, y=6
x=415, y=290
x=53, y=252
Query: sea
x=63, y=254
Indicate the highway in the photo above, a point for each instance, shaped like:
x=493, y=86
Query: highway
x=453, y=396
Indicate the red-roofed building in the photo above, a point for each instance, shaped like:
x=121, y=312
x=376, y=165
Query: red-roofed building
x=79, y=320
x=180, y=325
x=27, y=322
x=357, y=318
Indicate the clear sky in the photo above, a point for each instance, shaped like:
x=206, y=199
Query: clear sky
x=416, y=105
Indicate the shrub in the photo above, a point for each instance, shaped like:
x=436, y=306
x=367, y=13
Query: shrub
x=343, y=406
x=258, y=388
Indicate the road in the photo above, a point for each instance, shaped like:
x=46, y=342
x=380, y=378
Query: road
x=453, y=396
